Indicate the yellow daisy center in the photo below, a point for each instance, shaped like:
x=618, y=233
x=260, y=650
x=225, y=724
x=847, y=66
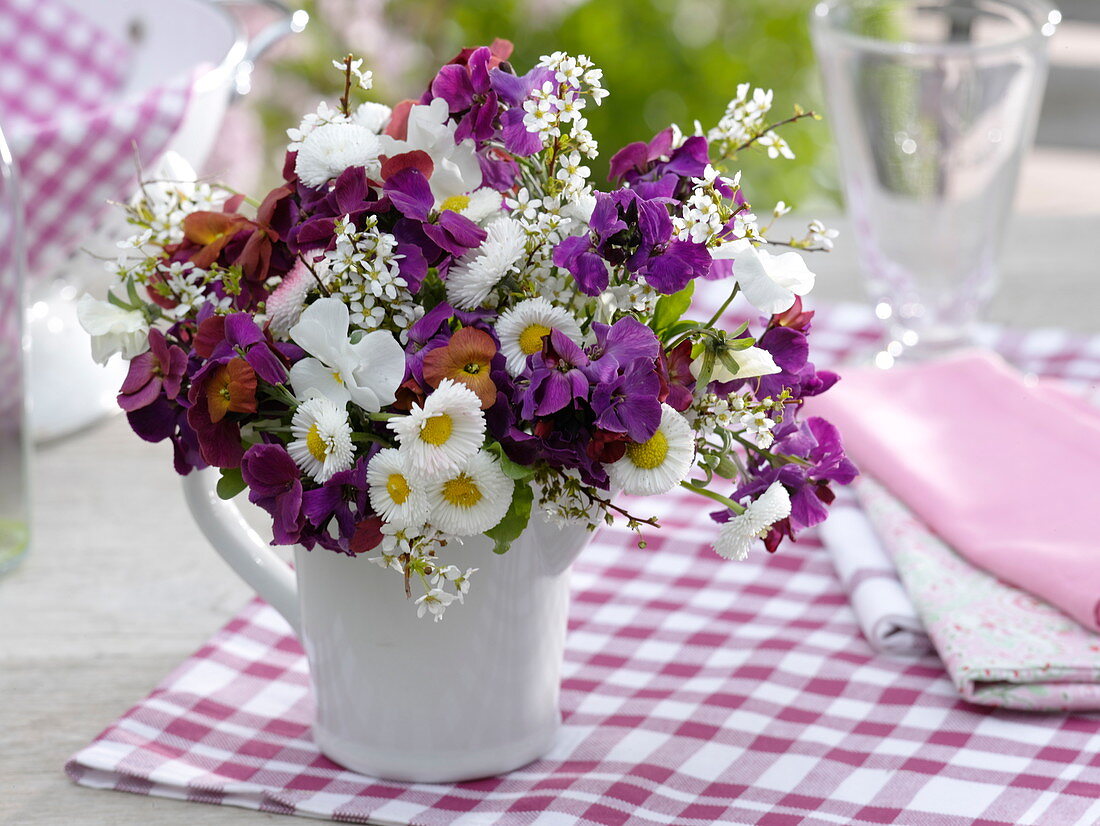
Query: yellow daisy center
x=456, y=203
x=530, y=340
x=398, y=488
x=316, y=444
x=437, y=429
x=649, y=454
x=462, y=491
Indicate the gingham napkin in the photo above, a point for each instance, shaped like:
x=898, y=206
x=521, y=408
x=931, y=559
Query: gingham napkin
x=884, y=611
x=695, y=691
x=74, y=130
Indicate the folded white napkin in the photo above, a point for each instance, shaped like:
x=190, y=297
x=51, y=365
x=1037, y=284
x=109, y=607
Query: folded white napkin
x=883, y=609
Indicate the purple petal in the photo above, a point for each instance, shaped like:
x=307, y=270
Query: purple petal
x=154, y=422
x=266, y=364
x=517, y=139
x=410, y=193
x=633, y=156
x=588, y=269
x=453, y=85
x=142, y=396
x=321, y=503
x=139, y=374
x=682, y=262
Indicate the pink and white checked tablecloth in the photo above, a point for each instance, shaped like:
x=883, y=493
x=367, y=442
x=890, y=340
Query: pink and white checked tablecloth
x=695, y=691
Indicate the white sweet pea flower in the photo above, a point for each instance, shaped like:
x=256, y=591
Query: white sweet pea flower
x=367, y=372
x=769, y=282
x=113, y=329
x=752, y=362
x=456, y=170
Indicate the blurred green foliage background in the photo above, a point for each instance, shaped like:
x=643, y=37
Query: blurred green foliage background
x=663, y=60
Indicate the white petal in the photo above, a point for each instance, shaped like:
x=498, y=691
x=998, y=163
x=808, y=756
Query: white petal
x=309, y=377
x=753, y=362
x=789, y=270
x=750, y=268
x=322, y=328
x=380, y=366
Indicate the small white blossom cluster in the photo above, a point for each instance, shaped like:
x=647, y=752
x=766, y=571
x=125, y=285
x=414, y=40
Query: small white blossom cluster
x=633, y=296
x=546, y=221
x=707, y=211
x=821, y=236
x=745, y=120
x=187, y=284
x=363, y=270
x=712, y=413
x=754, y=419
x=555, y=109
x=365, y=80
x=564, y=499
x=417, y=555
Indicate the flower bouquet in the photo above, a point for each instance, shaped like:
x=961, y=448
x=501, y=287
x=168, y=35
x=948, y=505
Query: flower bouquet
x=436, y=327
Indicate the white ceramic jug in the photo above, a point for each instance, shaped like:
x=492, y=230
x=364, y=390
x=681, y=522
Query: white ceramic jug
x=409, y=699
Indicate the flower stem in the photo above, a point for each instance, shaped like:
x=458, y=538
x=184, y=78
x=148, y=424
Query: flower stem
x=717, y=497
x=718, y=313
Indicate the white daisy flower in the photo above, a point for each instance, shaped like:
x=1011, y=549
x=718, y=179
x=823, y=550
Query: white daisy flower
x=737, y=535
x=322, y=439
x=659, y=464
x=444, y=433
x=436, y=602
x=394, y=494
x=333, y=147
x=478, y=206
x=473, y=277
x=471, y=499
x=522, y=328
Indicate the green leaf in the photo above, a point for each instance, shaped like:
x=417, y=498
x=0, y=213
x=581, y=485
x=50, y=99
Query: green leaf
x=729, y=363
x=740, y=343
x=231, y=482
x=670, y=308
x=513, y=470
x=515, y=520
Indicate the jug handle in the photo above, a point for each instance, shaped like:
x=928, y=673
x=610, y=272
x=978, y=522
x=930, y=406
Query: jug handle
x=223, y=525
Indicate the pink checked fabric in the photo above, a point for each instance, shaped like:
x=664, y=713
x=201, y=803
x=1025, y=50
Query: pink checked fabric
x=695, y=691
x=74, y=127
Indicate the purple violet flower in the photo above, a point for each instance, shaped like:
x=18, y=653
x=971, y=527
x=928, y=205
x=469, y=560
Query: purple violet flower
x=274, y=483
x=620, y=344
x=336, y=498
x=627, y=402
x=557, y=378
x=161, y=367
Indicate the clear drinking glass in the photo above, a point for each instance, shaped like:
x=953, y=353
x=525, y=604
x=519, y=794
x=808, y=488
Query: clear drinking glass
x=14, y=447
x=933, y=103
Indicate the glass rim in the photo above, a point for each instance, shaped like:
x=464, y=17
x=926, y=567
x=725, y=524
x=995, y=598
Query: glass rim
x=1043, y=15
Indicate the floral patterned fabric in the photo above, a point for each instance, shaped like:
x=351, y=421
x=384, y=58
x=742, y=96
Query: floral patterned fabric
x=1001, y=646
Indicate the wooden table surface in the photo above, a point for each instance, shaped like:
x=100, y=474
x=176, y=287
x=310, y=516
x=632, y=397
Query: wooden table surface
x=120, y=586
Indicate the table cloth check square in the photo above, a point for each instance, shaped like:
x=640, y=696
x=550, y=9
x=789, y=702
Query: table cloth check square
x=695, y=691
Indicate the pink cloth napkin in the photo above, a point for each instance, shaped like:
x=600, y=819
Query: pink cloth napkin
x=1002, y=469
